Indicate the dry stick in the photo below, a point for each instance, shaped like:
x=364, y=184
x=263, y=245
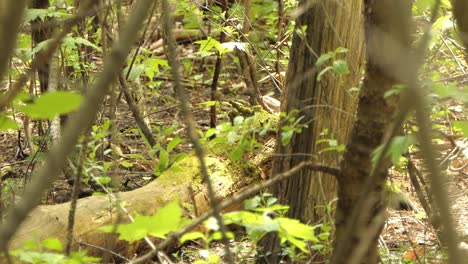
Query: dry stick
x=248, y=64
x=39, y=60
x=103, y=249
x=192, y=133
x=75, y=193
x=280, y=36
x=412, y=171
x=248, y=192
x=439, y=188
x=136, y=112
x=83, y=119
x=10, y=20
x=217, y=71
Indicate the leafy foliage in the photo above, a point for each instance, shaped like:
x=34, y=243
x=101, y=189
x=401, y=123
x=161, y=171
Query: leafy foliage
x=49, y=251
x=166, y=219
x=51, y=104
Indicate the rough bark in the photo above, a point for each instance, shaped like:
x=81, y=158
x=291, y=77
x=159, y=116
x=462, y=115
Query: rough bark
x=41, y=31
x=460, y=9
x=325, y=104
x=387, y=26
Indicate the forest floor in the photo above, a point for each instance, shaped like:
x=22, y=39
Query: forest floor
x=406, y=235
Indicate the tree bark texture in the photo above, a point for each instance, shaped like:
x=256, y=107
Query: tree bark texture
x=460, y=9
x=325, y=104
x=387, y=28
x=41, y=31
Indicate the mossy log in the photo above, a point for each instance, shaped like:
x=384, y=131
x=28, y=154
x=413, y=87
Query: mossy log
x=96, y=211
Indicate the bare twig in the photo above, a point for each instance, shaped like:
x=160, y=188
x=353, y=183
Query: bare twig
x=75, y=193
x=136, y=112
x=104, y=250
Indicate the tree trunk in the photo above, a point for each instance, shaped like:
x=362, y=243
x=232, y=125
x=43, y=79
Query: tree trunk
x=460, y=9
x=325, y=105
x=41, y=31
x=387, y=25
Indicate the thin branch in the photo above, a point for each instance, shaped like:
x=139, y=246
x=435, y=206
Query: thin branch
x=192, y=131
x=104, y=250
x=75, y=194
x=136, y=112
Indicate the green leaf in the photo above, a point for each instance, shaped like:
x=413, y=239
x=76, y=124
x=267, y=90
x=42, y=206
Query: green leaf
x=210, y=43
x=126, y=164
x=395, y=90
x=163, y=160
x=74, y=42
x=286, y=137
x=41, y=45
x=443, y=23
x=153, y=65
x=210, y=132
x=323, y=58
x=297, y=229
x=238, y=152
x=341, y=50
x=341, y=67
x=166, y=219
x=174, y=143
x=103, y=180
x=52, y=104
x=33, y=14
x=322, y=72
x=135, y=72
x=462, y=126
x=423, y=5
x=53, y=244
x=445, y=91
x=253, y=203
x=398, y=147
x=7, y=123
x=207, y=103
x=191, y=236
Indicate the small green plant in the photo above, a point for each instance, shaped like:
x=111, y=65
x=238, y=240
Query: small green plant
x=292, y=125
x=165, y=220
x=331, y=143
x=337, y=65
x=94, y=166
x=242, y=133
x=164, y=149
x=265, y=216
x=50, y=251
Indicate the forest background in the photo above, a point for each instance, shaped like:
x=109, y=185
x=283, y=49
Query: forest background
x=154, y=113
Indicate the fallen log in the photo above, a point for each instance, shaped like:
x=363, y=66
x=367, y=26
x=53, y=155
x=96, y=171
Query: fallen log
x=93, y=212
